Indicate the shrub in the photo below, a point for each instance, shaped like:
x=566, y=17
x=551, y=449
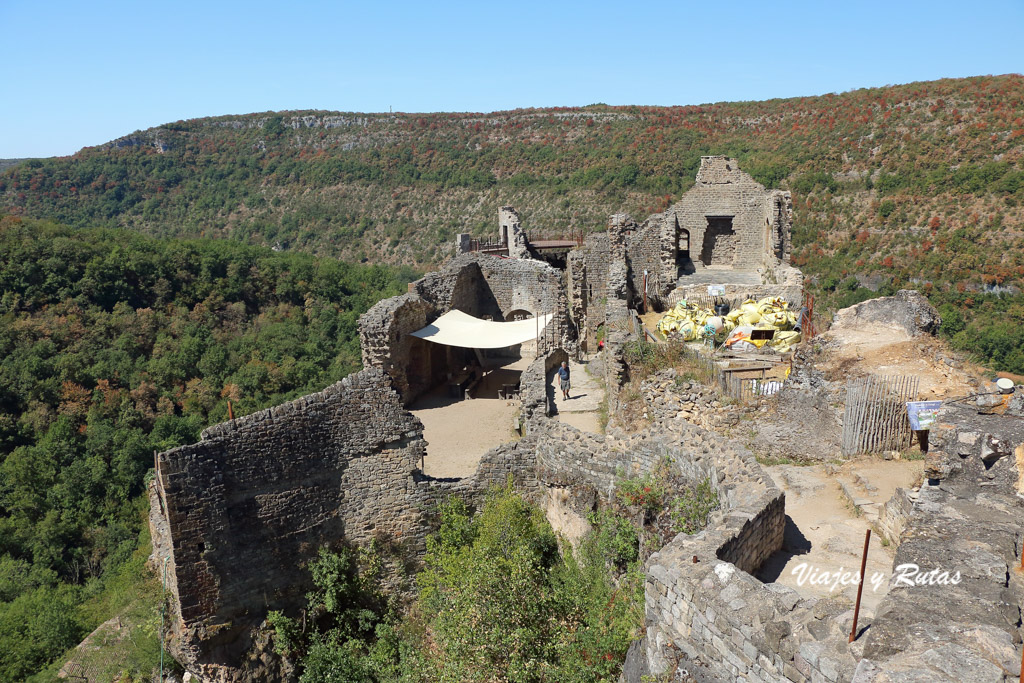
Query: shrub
x=691, y=510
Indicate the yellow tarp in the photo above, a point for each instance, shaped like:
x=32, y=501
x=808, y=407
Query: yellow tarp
x=690, y=321
x=686, y=320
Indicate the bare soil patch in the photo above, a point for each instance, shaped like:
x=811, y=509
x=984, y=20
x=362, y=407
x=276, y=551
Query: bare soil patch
x=459, y=431
x=825, y=533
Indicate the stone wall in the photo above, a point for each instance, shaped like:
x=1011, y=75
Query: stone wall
x=894, y=516
x=510, y=231
x=707, y=615
x=725, y=194
x=238, y=516
x=968, y=520
x=791, y=293
x=726, y=220
x=537, y=392
x=643, y=249
x=384, y=334
x=588, y=273
x=238, y=511
x=477, y=284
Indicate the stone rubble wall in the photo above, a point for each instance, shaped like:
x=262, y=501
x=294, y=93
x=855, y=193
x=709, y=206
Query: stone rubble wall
x=791, y=293
x=537, y=392
x=968, y=518
x=255, y=495
x=780, y=229
x=712, y=618
x=238, y=516
x=477, y=284
x=668, y=396
x=722, y=189
x=706, y=615
x=644, y=251
x=719, y=623
x=895, y=515
x=384, y=335
x=588, y=270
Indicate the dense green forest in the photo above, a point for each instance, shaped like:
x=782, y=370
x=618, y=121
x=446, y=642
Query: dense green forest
x=917, y=185
x=114, y=345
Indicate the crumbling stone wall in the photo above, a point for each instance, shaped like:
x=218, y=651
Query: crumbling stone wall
x=588, y=272
x=708, y=615
x=238, y=516
x=967, y=518
x=478, y=284
x=723, y=195
x=237, y=512
x=511, y=232
x=242, y=512
x=643, y=251
x=384, y=335
x=537, y=391
x=483, y=285
x=793, y=293
x=726, y=219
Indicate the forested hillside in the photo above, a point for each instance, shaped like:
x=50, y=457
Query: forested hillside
x=917, y=185
x=886, y=172
x=113, y=346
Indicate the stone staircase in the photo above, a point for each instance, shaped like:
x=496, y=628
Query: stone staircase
x=867, y=498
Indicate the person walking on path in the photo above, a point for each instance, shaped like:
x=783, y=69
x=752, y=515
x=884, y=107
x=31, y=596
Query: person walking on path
x=563, y=377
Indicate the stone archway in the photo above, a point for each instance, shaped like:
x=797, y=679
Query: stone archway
x=518, y=314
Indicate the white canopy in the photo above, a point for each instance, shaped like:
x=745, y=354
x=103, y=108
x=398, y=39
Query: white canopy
x=456, y=328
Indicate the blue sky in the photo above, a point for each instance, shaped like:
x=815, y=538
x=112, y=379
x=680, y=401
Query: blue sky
x=82, y=73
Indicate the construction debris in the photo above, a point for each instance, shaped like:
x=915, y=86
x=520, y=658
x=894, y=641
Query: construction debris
x=690, y=322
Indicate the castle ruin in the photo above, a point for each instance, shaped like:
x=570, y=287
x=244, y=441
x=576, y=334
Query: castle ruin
x=236, y=517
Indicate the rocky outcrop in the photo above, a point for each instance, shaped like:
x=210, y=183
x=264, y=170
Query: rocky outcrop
x=908, y=311
x=953, y=611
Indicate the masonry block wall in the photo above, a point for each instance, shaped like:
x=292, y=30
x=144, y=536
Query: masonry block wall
x=643, y=251
x=588, y=270
x=728, y=219
x=483, y=285
x=384, y=335
x=791, y=293
x=242, y=508
x=480, y=285
x=703, y=604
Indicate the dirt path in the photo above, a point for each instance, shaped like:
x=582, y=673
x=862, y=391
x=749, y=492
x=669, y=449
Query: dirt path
x=585, y=396
x=825, y=533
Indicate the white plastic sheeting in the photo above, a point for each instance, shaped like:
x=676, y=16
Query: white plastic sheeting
x=456, y=328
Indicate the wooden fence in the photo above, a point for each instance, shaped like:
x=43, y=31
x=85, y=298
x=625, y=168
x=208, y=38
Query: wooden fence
x=876, y=414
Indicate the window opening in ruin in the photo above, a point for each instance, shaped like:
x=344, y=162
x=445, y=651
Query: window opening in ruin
x=778, y=242
x=718, y=247
x=684, y=264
